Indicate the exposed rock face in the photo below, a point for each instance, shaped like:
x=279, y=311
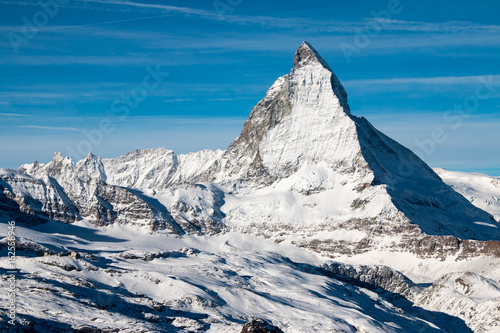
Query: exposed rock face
x=34, y=200
x=374, y=276
x=260, y=326
x=26, y=247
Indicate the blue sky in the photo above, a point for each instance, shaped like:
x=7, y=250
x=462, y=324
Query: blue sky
x=427, y=73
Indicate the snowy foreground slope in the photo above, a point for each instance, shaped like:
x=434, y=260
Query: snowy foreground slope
x=132, y=281
x=311, y=219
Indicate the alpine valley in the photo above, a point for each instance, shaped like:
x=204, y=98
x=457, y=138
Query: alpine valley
x=311, y=220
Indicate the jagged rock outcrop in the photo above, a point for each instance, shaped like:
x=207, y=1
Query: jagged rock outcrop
x=373, y=276
x=260, y=326
x=34, y=200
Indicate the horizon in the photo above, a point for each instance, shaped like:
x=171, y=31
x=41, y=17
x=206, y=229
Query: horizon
x=429, y=80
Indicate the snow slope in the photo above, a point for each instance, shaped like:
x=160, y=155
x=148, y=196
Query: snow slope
x=481, y=190
x=138, y=282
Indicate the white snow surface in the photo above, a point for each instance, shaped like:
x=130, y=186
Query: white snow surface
x=483, y=191
x=195, y=283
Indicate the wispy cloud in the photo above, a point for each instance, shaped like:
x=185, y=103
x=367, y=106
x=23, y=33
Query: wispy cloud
x=37, y=60
x=308, y=24
x=296, y=23
x=52, y=128
x=167, y=10
x=438, y=80
x=221, y=99
x=13, y=115
x=164, y=8
x=179, y=51
x=21, y=94
x=15, y=98
x=213, y=15
x=447, y=26
x=7, y=30
x=177, y=100
x=40, y=94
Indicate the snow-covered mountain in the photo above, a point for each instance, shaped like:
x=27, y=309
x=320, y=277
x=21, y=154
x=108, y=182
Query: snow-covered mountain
x=300, y=144
x=481, y=190
x=304, y=173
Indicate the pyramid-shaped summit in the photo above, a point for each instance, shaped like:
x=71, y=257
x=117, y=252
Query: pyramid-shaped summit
x=303, y=165
x=302, y=119
x=305, y=120
x=306, y=54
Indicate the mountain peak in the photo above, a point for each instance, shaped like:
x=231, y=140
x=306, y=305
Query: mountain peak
x=57, y=157
x=306, y=54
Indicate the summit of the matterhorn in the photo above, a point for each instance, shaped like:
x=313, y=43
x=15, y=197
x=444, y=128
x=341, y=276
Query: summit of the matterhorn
x=303, y=119
x=306, y=54
x=301, y=159
x=302, y=138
